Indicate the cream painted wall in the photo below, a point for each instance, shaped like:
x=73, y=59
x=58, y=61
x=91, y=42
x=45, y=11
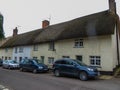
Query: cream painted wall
x=7, y=54
x=93, y=46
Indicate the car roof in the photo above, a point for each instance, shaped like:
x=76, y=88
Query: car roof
x=66, y=59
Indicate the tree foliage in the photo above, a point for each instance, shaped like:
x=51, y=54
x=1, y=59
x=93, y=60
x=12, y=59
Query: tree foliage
x=1, y=27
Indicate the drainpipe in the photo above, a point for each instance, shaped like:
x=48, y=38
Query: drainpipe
x=117, y=42
x=117, y=36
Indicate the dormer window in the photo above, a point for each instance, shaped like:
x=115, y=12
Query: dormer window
x=6, y=49
x=20, y=49
x=51, y=46
x=78, y=43
x=16, y=49
x=35, y=47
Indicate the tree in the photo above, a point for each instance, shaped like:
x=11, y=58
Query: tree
x=1, y=27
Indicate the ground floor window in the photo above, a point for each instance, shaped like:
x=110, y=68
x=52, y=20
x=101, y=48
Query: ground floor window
x=15, y=58
x=34, y=57
x=95, y=60
x=42, y=58
x=9, y=58
x=65, y=56
x=20, y=58
x=5, y=58
x=50, y=60
x=79, y=57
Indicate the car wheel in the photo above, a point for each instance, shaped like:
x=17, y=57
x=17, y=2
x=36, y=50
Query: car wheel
x=34, y=71
x=57, y=73
x=83, y=76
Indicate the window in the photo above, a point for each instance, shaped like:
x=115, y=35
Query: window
x=15, y=49
x=79, y=58
x=42, y=59
x=35, y=47
x=15, y=58
x=51, y=46
x=66, y=56
x=9, y=58
x=78, y=43
x=20, y=49
x=6, y=49
x=20, y=58
x=2, y=57
x=5, y=58
x=50, y=60
x=95, y=60
x=26, y=57
x=34, y=57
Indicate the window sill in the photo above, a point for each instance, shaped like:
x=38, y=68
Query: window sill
x=35, y=50
x=51, y=49
x=78, y=47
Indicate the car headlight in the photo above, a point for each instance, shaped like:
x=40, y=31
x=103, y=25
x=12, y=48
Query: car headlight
x=40, y=67
x=90, y=69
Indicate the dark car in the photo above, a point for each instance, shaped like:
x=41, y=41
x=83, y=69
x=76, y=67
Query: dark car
x=74, y=68
x=33, y=65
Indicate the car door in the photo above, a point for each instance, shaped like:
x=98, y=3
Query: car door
x=25, y=64
x=71, y=69
x=31, y=65
x=5, y=64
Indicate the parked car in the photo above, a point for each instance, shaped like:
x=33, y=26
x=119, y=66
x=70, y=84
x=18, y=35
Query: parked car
x=33, y=65
x=10, y=64
x=1, y=61
x=73, y=67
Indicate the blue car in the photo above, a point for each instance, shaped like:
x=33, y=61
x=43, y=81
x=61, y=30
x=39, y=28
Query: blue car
x=33, y=65
x=73, y=67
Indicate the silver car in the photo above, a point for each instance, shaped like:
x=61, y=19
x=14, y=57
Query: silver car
x=10, y=64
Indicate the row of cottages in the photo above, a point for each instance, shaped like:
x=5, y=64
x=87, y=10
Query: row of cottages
x=92, y=39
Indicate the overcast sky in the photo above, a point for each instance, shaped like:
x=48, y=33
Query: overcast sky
x=27, y=15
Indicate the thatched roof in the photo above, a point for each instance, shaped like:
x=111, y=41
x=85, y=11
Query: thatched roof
x=22, y=39
x=102, y=23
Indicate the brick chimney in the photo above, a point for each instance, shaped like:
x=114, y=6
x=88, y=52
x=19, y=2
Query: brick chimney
x=45, y=23
x=15, y=32
x=112, y=6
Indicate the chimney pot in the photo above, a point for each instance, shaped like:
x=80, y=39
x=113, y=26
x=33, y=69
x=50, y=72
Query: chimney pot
x=45, y=23
x=15, y=32
x=112, y=6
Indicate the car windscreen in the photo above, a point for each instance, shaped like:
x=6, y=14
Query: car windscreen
x=80, y=63
x=37, y=61
x=12, y=61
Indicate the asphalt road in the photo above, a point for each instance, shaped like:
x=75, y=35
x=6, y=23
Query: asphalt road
x=16, y=80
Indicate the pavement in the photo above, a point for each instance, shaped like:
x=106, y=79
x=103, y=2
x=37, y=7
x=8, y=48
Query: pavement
x=105, y=77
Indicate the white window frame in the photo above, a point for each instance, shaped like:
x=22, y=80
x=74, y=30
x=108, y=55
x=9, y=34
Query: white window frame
x=65, y=56
x=50, y=60
x=6, y=50
x=16, y=49
x=95, y=60
x=21, y=49
x=51, y=46
x=78, y=43
x=35, y=48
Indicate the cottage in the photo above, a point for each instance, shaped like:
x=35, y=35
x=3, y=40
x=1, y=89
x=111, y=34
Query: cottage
x=92, y=39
